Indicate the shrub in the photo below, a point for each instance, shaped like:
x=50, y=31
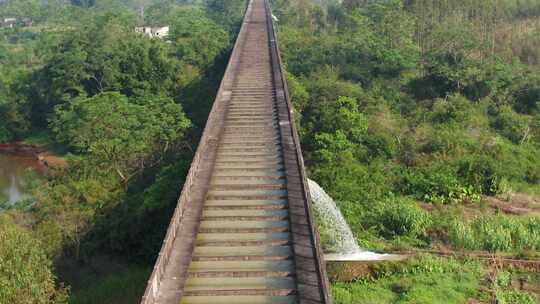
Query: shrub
x=503, y=278
x=482, y=173
x=512, y=125
x=5, y=135
x=402, y=218
x=515, y=297
x=454, y=108
x=25, y=269
x=437, y=183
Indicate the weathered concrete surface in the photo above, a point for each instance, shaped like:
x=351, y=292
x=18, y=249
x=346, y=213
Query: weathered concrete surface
x=243, y=231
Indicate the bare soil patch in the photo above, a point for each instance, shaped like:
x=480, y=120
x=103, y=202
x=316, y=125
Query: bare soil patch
x=513, y=203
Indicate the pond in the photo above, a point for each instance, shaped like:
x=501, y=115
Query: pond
x=17, y=171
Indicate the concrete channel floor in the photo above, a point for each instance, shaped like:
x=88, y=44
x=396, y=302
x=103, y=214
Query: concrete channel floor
x=240, y=239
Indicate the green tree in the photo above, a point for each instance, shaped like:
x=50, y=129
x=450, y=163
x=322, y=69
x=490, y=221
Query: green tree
x=25, y=270
x=20, y=9
x=228, y=13
x=103, y=55
x=343, y=116
x=197, y=39
x=120, y=135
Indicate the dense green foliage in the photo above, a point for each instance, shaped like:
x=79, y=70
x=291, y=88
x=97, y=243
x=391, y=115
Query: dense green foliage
x=504, y=292
x=25, y=271
x=401, y=101
x=416, y=116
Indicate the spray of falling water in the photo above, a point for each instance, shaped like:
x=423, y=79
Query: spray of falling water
x=343, y=245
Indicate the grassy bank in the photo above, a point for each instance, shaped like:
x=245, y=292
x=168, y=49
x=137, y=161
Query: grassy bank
x=436, y=280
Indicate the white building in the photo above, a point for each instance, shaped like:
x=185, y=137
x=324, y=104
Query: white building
x=9, y=22
x=14, y=22
x=153, y=32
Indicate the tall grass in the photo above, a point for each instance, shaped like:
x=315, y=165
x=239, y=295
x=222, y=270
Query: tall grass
x=496, y=233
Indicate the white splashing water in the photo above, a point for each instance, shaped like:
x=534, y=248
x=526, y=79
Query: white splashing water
x=343, y=246
x=13, y=192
